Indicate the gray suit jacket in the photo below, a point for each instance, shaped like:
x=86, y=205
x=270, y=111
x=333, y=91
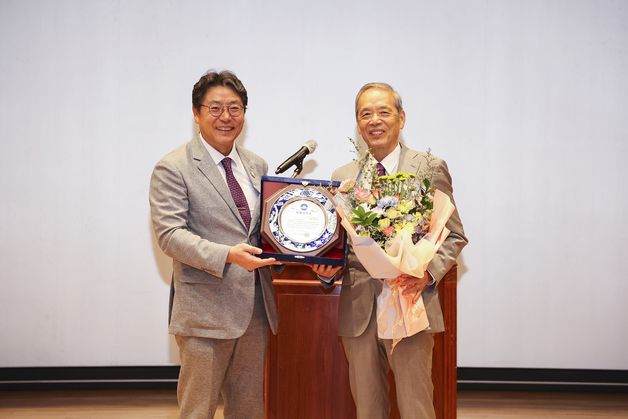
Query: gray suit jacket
x=359, y=290
x=196, y=222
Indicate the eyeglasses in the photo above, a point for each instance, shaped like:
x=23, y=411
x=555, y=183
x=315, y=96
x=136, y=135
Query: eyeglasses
x=216, y=109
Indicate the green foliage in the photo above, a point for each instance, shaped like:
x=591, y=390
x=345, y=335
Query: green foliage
x=360, y=216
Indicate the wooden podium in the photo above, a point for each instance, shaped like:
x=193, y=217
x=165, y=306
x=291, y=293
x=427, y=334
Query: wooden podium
x=307, y=372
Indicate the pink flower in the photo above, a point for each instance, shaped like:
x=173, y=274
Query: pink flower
x=388, y=231
x=361, y=194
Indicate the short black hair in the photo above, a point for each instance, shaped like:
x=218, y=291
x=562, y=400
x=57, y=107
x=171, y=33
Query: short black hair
x=214, y=78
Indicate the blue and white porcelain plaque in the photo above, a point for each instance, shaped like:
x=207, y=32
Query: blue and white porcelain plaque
x=302, y=220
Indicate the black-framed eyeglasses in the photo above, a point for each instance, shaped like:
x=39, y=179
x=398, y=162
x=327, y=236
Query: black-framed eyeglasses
x=216, y=109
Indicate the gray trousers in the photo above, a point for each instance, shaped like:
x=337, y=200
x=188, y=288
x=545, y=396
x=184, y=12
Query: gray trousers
x=231, y=367
x=411, y=362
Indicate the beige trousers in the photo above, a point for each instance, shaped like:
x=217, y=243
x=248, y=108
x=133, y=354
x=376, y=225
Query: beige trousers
x=411, y=362
x=231, y=367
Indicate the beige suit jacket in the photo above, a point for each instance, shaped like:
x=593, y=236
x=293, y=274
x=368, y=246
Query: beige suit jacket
x=196, y=221
x=359, y=290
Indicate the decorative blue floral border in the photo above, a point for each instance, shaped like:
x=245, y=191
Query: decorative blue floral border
x=299, y=193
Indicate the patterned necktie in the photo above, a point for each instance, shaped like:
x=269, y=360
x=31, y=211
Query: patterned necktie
x=381, y=171
x=236, y=193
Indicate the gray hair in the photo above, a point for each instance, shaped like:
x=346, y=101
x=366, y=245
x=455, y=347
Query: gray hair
x=383, y=86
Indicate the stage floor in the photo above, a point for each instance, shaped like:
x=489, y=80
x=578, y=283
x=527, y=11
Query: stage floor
x=155, y=404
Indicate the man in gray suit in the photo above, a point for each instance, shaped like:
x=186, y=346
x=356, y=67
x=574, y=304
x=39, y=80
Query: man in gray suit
x=204, y=199
x=380, y=118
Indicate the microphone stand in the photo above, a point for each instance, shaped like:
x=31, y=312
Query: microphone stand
x=298, y=168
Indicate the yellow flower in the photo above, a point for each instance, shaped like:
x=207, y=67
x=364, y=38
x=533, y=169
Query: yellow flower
x=405, y=206
x=404, y=225
x=410, y=227
x=383, y=223
x=399, y=227
x=392, y=213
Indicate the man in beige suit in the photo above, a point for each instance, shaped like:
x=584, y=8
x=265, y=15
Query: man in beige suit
x=204, y=199
x=380, y=118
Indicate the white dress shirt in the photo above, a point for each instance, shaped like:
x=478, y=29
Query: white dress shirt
x=391, y=161
x=239, y=173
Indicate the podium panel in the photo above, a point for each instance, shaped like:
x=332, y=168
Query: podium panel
x=307, y=372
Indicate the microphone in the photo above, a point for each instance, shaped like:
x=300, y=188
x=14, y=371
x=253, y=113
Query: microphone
x=297, y=158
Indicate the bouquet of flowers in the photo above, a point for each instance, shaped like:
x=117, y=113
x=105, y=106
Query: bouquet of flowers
x=396, y=223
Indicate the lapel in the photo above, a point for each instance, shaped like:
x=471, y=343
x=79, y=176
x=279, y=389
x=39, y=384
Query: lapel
x=255, y=176
x=251, y=170
x=354, y=170
x=409, y=160
x=208, y=168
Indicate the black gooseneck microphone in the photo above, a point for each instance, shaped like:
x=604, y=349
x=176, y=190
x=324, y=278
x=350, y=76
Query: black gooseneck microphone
x=297, y=158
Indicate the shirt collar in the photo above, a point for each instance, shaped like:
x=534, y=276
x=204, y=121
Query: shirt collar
x=391, y=161
x=217, y=156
